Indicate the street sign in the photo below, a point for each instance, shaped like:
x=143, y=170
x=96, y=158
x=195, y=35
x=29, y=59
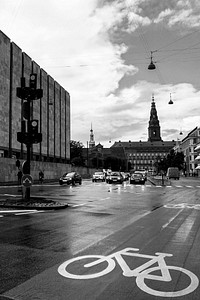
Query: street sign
x=27, y=180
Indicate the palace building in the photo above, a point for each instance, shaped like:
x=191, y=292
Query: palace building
x=144, y=154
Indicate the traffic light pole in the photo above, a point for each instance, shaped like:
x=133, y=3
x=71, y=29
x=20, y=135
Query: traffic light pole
x=28, y=149
x=29, y=135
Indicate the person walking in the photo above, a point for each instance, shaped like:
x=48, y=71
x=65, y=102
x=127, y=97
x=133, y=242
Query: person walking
x=19, y=176
x=41, y=177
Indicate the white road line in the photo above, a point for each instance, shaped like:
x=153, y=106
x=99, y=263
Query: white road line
x=107, y=198
x=17, y=211
x=170, y=220
x=29, y=212
x=76, y=205
x=189, y=186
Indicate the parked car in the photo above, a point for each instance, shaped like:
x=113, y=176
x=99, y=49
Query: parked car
x=137, y=177
x=173, y=173
x=98, y=176
x=114, y=177
x=70, y=178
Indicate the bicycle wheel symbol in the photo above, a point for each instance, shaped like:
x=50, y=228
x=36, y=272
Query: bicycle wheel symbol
x=194, y=282
x=99, y=259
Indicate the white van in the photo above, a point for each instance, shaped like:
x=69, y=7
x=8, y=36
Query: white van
x=173, y=173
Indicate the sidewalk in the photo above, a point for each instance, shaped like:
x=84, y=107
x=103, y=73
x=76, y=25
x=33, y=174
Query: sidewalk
x=157, y=180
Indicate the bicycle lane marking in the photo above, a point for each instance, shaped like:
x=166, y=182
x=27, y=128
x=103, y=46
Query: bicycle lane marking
x=141, y=273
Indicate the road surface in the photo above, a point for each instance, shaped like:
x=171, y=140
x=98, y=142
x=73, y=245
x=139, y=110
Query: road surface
x=112, y=242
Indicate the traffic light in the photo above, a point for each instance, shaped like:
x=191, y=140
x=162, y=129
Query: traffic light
x=33, y=81
x=35, y=136
x=34, y=127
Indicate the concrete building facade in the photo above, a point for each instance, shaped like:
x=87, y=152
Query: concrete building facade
x=52, y=110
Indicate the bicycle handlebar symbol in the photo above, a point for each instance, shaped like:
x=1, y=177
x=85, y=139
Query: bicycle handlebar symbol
x=141, y=273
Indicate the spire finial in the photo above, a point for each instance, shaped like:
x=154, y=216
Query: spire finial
x=152, y=97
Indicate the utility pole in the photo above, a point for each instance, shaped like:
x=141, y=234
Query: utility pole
x=29, y=127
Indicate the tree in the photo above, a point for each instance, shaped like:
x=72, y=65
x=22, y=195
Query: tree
x=173, y=159
x=76, y=153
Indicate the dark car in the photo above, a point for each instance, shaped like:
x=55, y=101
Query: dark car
x=137, y=178
x=70, y=178
x=114, y=177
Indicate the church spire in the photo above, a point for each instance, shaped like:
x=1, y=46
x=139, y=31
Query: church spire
x=91, y=142
x=154, y=126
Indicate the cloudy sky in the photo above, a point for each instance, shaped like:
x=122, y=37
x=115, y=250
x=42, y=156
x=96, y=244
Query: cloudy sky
x=99, y=51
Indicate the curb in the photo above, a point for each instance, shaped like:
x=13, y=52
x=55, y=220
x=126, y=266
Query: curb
x=34, y=207
x=37, y=203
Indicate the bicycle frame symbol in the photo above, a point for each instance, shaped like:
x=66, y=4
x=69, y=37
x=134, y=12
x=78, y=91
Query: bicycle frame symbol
x=141, y=273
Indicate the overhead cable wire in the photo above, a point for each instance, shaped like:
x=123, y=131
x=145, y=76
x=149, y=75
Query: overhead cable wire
x=171, y=43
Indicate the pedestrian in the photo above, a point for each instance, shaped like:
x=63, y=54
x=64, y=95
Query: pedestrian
x=41, y=176
x=19, y=175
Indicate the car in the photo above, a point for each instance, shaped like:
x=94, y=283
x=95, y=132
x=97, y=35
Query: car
x=144, y=173
x=114, y=177
x=98, y=176
x=137, y=177
x=70, y=178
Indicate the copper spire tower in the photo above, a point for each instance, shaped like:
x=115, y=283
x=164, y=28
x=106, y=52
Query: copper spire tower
x=154, y=126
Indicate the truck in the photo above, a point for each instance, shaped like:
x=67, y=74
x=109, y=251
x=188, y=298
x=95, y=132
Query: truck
x=173, y=172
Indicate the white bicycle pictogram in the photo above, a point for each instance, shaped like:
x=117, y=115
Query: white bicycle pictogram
x=141, y=273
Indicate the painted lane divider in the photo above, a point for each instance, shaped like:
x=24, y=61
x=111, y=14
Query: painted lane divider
x=183, y=205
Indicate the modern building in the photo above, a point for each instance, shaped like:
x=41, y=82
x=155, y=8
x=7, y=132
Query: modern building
x=145, y=154
x=52, y=110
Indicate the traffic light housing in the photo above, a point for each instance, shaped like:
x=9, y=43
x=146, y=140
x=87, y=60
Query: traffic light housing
x=29, y=129
x=27, y=93
x=35, y=136
x=28, y=138
x=33, y=81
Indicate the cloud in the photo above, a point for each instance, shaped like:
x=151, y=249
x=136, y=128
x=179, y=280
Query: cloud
x=182, y=13
x=83, y=47
x=126, y=116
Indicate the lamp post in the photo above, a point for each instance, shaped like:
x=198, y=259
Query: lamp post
x=87, y=158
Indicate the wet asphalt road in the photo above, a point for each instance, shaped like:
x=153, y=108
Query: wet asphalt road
x=124, y=225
